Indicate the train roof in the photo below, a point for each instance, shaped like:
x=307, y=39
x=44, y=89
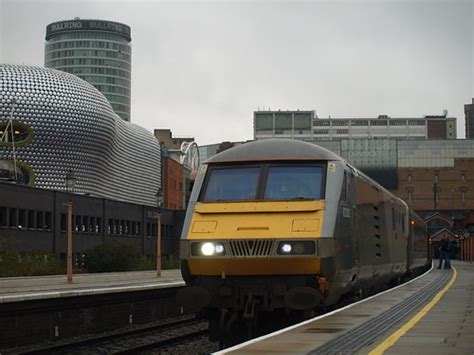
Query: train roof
x=274, y=149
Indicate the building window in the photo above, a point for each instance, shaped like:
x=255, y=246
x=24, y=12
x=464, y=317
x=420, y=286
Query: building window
x=85, y=223
x=409, y=177
x=92, y=225
x=22, y=219
x=359, y=123
x=436, y=177
x=12, y=222
x=77, y=224
x=463, y=176
x=321, y=123
x=39, y=220
x=409, y=194
x=31, y=219
x=340, y=123
x=321, y=131
x=110, y=227
x=98, y=226
x=47, y=221
x=63, y=221
x=398, y=122
x=3, y=217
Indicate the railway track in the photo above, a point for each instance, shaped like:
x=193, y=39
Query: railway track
x=167, y=334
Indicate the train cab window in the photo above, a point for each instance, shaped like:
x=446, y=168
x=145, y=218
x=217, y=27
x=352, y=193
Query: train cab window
x=232, y=184
x=293, y=182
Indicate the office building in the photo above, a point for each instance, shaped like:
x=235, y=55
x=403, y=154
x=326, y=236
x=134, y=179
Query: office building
x=98, y=52
x=469, y=112
x=306, y=125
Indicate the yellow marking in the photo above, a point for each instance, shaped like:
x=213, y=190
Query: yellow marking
x=392, y=339
x=204, y=226
x=262, y=206
x=305, y=225
x=331, y=167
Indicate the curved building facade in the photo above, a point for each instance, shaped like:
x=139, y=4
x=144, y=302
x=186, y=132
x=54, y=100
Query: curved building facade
x=62, y=123
x=98, y=52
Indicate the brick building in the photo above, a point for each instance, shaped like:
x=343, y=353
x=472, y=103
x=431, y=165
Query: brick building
x=440, y=188
x=173, y=184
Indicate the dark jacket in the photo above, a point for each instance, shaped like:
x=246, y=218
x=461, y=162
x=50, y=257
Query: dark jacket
x=446, y=246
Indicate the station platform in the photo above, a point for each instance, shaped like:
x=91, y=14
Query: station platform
x=431, y=314
x=17, y=289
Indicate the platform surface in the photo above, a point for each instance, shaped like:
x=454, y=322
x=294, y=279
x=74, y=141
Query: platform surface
x=16, y=289
x=447, y=328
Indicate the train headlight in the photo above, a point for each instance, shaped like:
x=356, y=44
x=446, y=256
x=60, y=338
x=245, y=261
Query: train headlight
x=219, y=248
x=286, y=248
x=297, y=247
x=207, y=249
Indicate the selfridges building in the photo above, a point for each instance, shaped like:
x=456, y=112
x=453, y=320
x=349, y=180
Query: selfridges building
x=52, y=122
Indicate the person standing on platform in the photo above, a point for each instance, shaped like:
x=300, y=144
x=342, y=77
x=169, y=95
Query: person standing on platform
x=445, y=250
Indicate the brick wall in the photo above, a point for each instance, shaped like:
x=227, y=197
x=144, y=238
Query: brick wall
x=173, y=186
x=455, y=186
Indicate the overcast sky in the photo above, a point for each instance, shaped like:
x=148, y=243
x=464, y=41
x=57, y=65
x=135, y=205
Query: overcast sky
x=202, y=68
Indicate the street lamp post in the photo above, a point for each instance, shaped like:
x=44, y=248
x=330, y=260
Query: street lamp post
x=70, y=181
x=159, y=205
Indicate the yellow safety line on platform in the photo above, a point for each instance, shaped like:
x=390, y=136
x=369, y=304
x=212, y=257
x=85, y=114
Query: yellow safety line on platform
x=392, y=339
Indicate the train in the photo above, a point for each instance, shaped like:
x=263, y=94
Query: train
x=284, y=229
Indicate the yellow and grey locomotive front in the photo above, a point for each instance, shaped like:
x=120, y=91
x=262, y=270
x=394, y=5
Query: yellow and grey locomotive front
x=260, y=225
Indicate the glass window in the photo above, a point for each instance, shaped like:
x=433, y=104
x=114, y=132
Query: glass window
x=63, y=221
x=290, y=182
x=359, y=123
x=3, y=217
x=85, y=223
x=98, y=225
x=340, y=123
x=320, y=123
x=31, y=219
x=232, y=184
x=92, y=225
x=321, y=131
x=39, y=220
x=13, y=219
x=77, y=224
x=22, y=219
x=47, y=220
x=110, y=227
